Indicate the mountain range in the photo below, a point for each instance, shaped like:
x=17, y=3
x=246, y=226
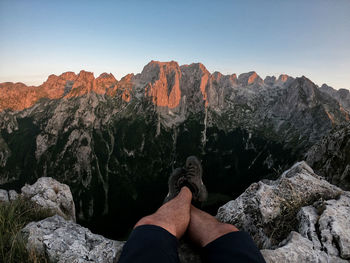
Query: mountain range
x=116, y=142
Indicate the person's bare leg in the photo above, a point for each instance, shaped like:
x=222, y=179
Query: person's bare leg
x=173, y=216
x=204, y=228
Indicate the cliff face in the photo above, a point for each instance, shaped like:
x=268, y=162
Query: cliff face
x=330, y=157
x=342, y=95
x=111, y=140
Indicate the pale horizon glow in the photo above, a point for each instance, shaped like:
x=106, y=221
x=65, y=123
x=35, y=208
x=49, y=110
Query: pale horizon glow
x=272, y=37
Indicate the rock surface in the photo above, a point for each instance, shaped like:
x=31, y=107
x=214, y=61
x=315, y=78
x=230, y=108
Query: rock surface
x=48, y=193
x=272, y=212
x=64, y=241
x=297, y=248
x=13, y=195
x=342, y=95
x=4, y=195
x=330, y=157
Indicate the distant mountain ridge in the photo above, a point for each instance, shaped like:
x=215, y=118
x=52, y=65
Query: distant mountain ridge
x=165, y=91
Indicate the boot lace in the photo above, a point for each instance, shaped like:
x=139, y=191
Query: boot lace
x=191, y=170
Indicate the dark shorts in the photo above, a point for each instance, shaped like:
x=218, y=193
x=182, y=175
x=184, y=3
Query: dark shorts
x=149, y=243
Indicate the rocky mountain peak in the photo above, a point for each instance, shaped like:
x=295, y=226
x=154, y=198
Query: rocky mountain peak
x=249, y=78
x=9, y=85
x=156, y=69
x=195, y=68
x=218, y=77
x=54, y=80
x=344, y=93
x=283, y=78
x=200, y=66
x=13, y=96
x=85, y=76
x=341, y=95
x=124, y=86
x=306, y=84
x=84, y=83
x=162, y=80
x=104, y=82
x=304, y=91
x=106, y=75
x=270, y=80
x=66, y=76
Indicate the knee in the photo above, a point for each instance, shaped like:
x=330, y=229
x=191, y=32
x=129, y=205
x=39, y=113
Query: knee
x=226, y=228
x=147, y=220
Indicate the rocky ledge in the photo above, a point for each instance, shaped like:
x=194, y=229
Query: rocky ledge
x=299, y=217
x=66, y=241
x=47, y=193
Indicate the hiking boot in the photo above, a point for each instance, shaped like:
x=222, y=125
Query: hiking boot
x=194, y=181
x=175, y=183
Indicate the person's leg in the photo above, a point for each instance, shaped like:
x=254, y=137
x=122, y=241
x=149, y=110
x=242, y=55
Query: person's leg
x=204, y=228
x=155, y=237
x=173, y=216
x=220, y=242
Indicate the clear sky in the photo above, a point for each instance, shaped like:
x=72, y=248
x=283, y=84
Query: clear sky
x=297, y=37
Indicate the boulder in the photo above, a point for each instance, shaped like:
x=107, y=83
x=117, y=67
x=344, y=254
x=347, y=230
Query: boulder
x=48, y=193
x=300, y=217
x=65, y=241
x=4, y=196
x=13, y=195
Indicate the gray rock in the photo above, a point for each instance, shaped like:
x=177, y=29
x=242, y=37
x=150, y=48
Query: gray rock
x=271, y=211
x=4, y=196
x=308, y=218
x=48, y=193
x=334, y=227
x=297, y=249
x=65, y=241
x=268, y=209
x=341, y=95
x=330, y=157
x=13, y=195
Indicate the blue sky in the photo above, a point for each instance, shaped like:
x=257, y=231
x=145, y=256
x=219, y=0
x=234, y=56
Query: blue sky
x=299, y=37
